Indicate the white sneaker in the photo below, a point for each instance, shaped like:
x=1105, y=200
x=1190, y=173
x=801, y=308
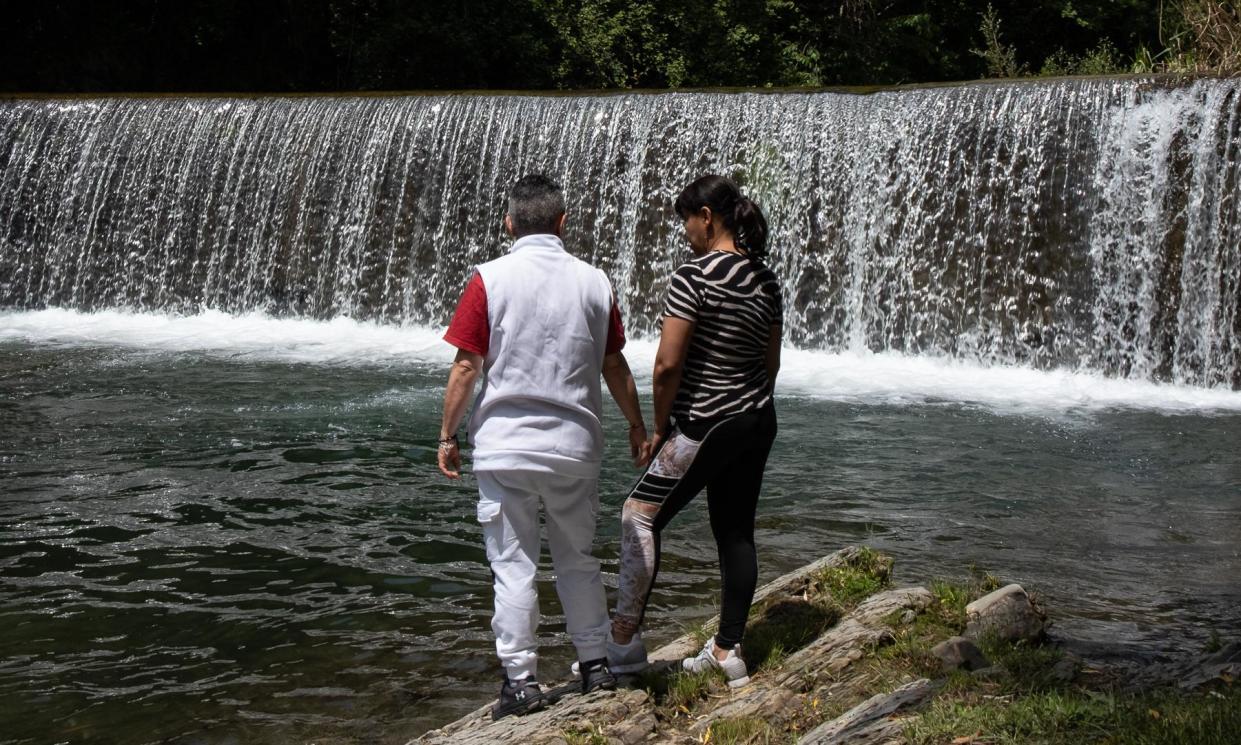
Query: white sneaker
x=623, y=659
x=732, y=665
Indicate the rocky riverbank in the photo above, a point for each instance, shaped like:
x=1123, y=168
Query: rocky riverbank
x=839, y=655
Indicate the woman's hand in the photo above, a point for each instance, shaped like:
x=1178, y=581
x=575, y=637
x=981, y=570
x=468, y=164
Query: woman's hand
x=657, y=439
x=639, y=448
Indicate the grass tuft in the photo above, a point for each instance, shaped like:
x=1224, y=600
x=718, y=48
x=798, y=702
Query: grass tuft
x=685, y=689
x=741, y=731
x=1030, y=667
x=862, y=576
x=586, y=736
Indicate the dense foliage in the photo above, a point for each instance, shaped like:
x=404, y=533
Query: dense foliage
x=318, y=45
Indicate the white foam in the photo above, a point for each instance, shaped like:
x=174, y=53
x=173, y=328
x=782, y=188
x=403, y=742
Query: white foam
x=849, y=377
x=252, y=336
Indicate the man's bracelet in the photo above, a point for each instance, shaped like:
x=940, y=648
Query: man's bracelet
x=449, y=440
x=637, y=424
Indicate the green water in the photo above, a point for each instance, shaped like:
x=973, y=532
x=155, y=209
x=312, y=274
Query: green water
x=202, y=549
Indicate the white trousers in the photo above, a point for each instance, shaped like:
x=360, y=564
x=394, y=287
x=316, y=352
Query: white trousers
x=508, y=510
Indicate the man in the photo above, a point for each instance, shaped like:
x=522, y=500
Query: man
x=543, y=326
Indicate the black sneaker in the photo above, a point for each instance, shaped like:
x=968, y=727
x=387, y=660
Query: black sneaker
x=518, y=697
x=596, y=675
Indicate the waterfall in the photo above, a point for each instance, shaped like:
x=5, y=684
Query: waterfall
x=1083, y=224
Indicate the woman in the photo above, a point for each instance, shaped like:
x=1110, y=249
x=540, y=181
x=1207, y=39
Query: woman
x=719, y=351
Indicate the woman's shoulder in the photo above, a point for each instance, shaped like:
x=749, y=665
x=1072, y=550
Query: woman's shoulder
x=693, y=267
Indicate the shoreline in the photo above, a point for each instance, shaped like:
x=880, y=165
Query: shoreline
x=884, y=665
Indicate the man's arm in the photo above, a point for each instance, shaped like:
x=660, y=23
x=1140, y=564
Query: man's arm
x=617, y=375
x=461, y=379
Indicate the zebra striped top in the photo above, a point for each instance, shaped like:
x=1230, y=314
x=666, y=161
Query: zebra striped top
x=733, y=301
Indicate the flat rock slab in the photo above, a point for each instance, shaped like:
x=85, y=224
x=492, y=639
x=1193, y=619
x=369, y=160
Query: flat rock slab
x=775, y=699
x=840, y=646
x=626, y=715
x=870, y=721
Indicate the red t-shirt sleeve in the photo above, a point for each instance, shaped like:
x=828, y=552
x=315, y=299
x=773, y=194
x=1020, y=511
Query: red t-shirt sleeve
x=616, y=331
x=470, y=330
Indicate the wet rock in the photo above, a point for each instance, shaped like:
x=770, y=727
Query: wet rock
x=959, y=653
x=1008, y=613
x=1223, y=666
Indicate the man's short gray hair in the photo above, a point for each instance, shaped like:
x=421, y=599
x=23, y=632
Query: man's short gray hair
x=535, y=205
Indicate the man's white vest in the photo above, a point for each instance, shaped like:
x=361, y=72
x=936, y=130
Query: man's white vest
x=541, y=402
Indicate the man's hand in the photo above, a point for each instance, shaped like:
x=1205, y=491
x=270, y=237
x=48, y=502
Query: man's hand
x=465, y=370
x=450, y=459
x=620, y=384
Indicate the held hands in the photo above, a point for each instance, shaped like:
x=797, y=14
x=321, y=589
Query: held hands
x=639, y=446
x=657, y=439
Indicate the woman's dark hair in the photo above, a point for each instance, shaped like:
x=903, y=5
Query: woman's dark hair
x=740, y=215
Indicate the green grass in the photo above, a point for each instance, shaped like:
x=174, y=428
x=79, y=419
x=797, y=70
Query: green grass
x=742, y=731
x=592, y=736
x=1028, y=703
x=849, y=584
x=910, y=650
x=1064, y=717
x=1029, y=666
x=684, y=690
x=950, y=601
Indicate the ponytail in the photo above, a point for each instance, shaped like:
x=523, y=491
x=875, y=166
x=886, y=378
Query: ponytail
x=740, y=215
x=750, y=228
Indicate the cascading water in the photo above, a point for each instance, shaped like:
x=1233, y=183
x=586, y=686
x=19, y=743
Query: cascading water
x=221, y=376
x=1091, y=225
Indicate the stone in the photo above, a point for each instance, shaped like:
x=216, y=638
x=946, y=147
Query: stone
x=871, y=721
x=1223, y=666
x=775, y=706
x=1008, y=614
x=1065, y=670
x=959, y=653
x=994, y=672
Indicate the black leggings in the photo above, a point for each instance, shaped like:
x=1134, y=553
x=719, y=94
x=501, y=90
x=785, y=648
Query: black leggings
x=729, y=462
